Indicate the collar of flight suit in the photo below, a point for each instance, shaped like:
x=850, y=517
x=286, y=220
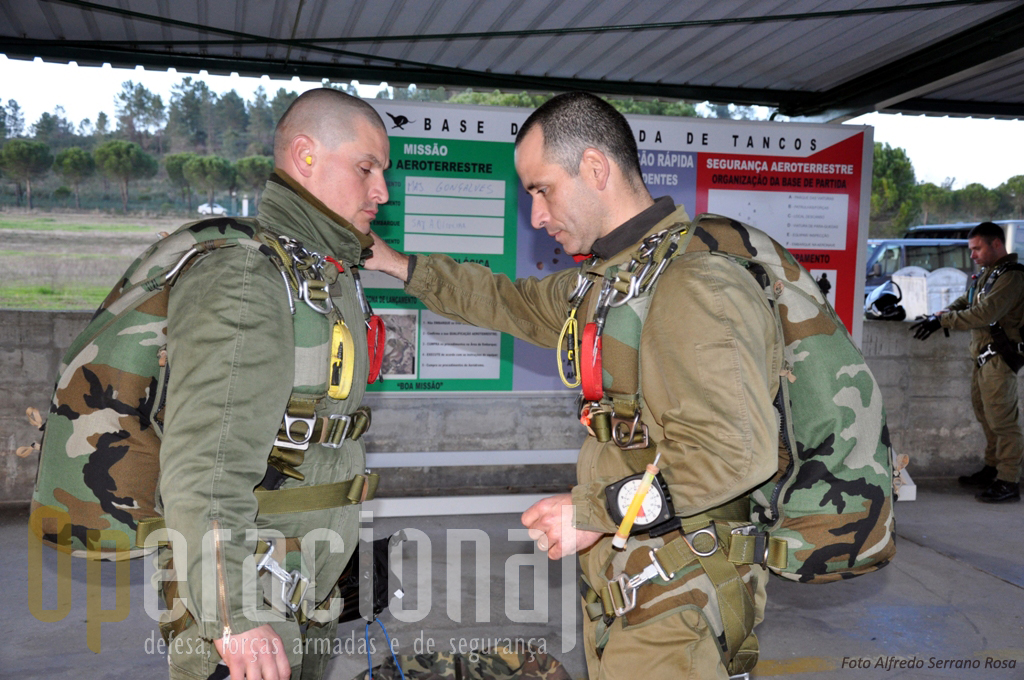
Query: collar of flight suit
x=622, y=257
x=633, y=229
x=288, y=208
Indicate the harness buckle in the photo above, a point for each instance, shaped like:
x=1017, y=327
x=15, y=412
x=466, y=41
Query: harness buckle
x=300, y=442
x=627, y=592
x=760, y=542
x=332, y=441
x=290, y=580
x=625, y=435
x=985, y=356
x=708, y=531
x=628, y=585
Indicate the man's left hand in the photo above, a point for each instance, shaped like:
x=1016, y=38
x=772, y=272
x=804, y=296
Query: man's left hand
x=926, y=326
x=554, y=534
x=386, y=259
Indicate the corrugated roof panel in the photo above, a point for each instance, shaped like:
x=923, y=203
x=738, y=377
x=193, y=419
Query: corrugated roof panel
x=804, y=65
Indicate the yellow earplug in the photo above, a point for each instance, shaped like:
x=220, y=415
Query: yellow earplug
x=309, y=160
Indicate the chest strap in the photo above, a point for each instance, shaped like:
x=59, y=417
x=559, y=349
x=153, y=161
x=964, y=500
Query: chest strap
x=301, y=427
x=320, y=497
x=297, y=499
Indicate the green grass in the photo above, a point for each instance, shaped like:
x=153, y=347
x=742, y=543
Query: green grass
x=52, y=224
x=47, y=297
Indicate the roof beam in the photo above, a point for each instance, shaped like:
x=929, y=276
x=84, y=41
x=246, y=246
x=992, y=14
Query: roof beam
x=946, y=107
x=66, y=50
x=923, y=71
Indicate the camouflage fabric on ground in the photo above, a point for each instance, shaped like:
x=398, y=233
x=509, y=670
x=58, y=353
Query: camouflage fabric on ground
x=529, y=664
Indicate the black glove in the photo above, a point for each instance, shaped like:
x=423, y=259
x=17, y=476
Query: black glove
x=925, y=326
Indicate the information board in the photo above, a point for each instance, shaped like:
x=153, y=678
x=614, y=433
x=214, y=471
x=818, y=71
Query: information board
x=453, y=189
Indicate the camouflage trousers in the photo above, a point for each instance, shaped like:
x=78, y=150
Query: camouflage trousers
x=994, y=397
x=678, y=644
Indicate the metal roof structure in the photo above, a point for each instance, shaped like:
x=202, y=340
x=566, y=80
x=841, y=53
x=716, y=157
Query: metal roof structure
x=811, y=59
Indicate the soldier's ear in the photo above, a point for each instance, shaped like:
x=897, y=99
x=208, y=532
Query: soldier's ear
x=302, y=153
x=595, y=168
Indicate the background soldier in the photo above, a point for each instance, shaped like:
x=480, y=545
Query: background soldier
x=993, y=310
x=709, y=366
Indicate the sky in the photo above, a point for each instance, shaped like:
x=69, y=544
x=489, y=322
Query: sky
x=965, y=149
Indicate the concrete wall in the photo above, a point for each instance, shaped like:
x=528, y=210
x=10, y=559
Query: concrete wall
x=926, y=389
x=925, y=386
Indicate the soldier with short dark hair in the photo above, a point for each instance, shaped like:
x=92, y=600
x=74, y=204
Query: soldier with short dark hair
x=993, y=310
x=710, y=358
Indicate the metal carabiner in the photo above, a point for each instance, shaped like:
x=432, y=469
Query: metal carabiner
x=303, y=280
x=364, y=304
x=651, y=243
x=583, y=285
x=665, y=260
x=632, y=292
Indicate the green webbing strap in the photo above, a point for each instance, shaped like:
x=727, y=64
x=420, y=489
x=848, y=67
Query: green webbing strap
x=757, y=549
x=593, y=604
x=320, y=497
x=299, y=499
x=736, y=510
x=270, y=240
x=737, y=621
x=678, y=553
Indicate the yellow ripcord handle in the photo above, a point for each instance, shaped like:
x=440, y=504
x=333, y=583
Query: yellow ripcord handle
x=571, y=326
x=342, y=361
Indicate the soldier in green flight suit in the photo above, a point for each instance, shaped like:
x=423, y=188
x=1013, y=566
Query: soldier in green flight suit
x=993, y=310
x=234, y=360
x=710, y=360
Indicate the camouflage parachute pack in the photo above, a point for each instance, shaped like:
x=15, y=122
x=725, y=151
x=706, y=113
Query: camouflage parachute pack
x=829, y=509
x=100, y=455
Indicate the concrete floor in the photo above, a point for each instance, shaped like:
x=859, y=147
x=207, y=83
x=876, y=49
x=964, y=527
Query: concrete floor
x=955, y=593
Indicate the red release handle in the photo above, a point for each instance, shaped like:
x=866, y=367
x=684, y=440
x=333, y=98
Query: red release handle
x=376, y=336
x=591, y=376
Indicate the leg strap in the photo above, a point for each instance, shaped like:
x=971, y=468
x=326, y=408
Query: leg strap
x=712, y=547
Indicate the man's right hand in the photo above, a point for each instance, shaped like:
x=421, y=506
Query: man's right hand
x=388, y=260
x=256, y=654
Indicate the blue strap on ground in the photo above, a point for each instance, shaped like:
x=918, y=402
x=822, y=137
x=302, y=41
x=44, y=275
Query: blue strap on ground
x=369, y=660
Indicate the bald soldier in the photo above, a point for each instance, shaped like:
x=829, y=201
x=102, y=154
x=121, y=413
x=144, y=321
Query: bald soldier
x=234, y=405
